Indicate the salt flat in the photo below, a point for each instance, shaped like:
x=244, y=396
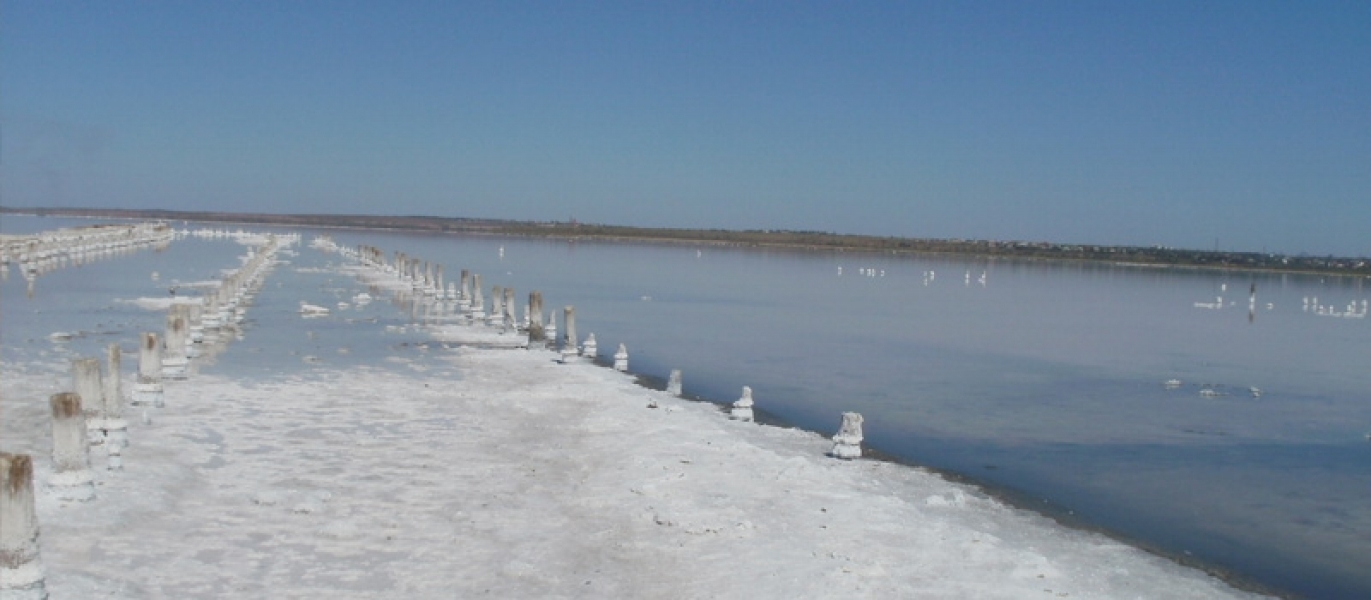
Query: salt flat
x=461, y=472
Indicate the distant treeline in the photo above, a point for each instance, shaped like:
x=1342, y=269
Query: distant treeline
x=1153, y=255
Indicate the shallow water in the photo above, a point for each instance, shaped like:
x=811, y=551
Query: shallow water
x=1045, y=379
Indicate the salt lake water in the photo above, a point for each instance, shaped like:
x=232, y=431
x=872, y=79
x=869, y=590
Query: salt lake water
x=1041, y=380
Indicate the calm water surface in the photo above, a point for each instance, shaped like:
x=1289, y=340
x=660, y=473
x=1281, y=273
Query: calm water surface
x=1041, y=379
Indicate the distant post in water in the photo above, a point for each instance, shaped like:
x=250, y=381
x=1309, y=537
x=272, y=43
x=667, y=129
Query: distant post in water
x=148, y=389
x=71, y=478
x=621, y=359
x=848, y=442
x=85, y=379
x=21, y=569
x=742, y=408
x=673, y=383
x=536, y=334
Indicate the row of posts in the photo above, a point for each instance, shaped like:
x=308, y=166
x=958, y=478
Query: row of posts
x=427, y=279
x=41, y=253
x=92, y=414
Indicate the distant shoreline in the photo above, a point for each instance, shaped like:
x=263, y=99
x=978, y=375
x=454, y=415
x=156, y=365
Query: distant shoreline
x=1126, y=256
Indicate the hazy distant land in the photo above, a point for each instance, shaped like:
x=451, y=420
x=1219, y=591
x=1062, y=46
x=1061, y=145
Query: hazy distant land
x=1133, y=255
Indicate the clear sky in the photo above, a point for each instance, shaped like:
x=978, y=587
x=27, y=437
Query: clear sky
x=1245, y=124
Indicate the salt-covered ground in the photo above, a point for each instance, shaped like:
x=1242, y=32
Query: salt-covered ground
x=452, y=473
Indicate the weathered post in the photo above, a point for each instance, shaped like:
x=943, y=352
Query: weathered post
x=464, y=299
x=673, y=383
x=497, y=306
x=21, y=568
x=742, y=409
x=569, y=343
x=148, y=389
x=621, y=359
x=71, y=478
x=478, y=302
x=116, y=428
x=85, y=380
x=174, y=361
x=848, y=442
x=536, y=334
x=509, y=309
x=550, y=332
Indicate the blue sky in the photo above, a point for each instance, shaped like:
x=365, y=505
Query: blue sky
x=1245, y=124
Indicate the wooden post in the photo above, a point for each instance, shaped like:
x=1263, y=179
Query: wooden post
x=148, y=389
x=509, y=309
x=478, y=302
x=116, y=428
x=85, y=380
x=550, y=332
x=464, y=297
x=848, y=441
x=569, y=342
x=72, y=478
x=497, y=306
x=174, y=361
x=21, y=568
x=536, y=334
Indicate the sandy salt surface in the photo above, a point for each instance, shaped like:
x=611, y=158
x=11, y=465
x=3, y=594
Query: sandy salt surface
x=495, y=472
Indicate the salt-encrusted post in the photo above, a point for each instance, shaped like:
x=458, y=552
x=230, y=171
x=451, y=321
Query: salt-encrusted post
x=673, y=383
x=742, y=409
x=550, y=332
x=848, y=442
x=148, y=389
x=478, y=302
x=21, y=568
x=536, y=335
x=621, y=359
x=497, y=306
x=174, y=360
x=116, y=428
x=464, y=299
x=569, y=342
x=509, y=309
x=71, y=478
x=590, y=349
x=85, y=380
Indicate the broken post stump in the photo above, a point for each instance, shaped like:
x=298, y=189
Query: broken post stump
x=72, y=478
x=742, y=408
x=21, y=568
x=847, y=443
